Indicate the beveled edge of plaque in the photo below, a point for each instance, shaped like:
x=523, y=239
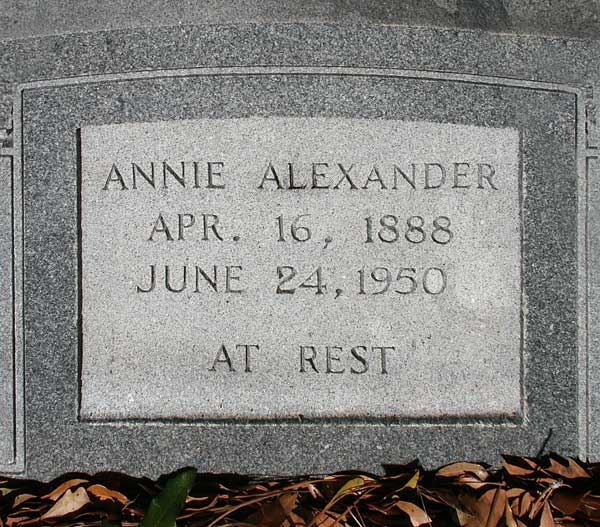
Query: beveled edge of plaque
x=505, y=419
x=580, y=92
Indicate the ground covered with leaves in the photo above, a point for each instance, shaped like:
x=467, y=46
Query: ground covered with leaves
x=543, y=492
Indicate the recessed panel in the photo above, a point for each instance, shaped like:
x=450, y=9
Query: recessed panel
x=236, y=270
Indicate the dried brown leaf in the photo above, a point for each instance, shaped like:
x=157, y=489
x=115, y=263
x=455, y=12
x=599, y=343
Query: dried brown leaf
x=472, y=482
x=592, y=500
x=547, y=520
x=514, y=492
x=190, y=512
x=268, y=515
x=567, y=468
x=515, y=470
x=22, y=498
x=444, y=497
x=412, y=482
x=69, y=503
x=32, y=511
x=509, y=519
x=497, y=506
x=326, y=519
x=566, y=501
x=293, y=520
x=525, y=503
x=590, y=506
x=464, y=518
x=288, y=501
x=541, y=500
x=460, y=469
x=417, y=515
x=488, y=509
x=273, y=513
x=17, y=520
x=102, y=493
x=61, y=489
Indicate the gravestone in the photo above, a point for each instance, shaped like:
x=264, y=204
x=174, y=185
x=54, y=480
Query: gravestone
x=278, y=248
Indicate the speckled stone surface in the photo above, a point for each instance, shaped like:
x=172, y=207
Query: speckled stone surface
x=594, y=306
x=7, y=416
x=35, y=18
x=282, y=271
x=541, y=86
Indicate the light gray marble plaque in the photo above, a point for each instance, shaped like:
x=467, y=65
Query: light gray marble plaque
x=387, y=284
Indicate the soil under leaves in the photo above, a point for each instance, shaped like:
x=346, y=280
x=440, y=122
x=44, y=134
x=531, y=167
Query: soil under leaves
x=546, y=491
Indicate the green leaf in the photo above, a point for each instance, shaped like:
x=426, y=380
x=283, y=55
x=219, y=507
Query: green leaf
x=163, y=510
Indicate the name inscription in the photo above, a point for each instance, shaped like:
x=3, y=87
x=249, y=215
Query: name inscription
x=284, y=267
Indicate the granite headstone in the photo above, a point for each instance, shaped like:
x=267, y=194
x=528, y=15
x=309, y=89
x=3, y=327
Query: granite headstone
x=297, y=247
